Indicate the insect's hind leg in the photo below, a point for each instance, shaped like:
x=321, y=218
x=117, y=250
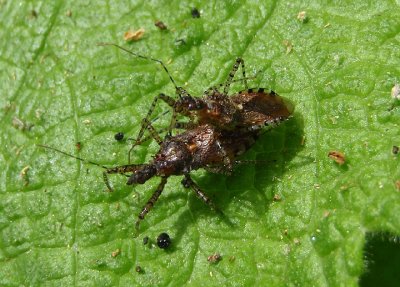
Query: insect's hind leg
x=215, y=89
x=150, y=203
x=239, y=62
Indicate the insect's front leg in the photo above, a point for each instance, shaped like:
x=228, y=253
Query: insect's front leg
x=181, y=92
x=180, y=107
x=122, y=169
x=146, y=123
x=212, y=90
x=150, y=203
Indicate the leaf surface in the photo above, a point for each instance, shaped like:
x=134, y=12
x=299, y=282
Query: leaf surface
x=58, y=225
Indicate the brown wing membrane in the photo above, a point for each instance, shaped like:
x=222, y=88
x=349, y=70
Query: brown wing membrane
x=261, y=108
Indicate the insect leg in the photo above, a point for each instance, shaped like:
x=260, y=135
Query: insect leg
x=182, y=93
x=156, y=134
x=227, y=161
x=150, y=203
x=188, y=182
x=239, y=61
x=146, y=122
x=212, y=90
x=184, y=125
x=215, y=89
x=153, y=134
x=172, y=123
x=122, y=169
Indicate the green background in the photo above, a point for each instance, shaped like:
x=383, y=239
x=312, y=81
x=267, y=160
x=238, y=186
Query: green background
x=58, y=225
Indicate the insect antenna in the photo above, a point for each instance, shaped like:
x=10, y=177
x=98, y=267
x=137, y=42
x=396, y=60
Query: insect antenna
x=254, y=161
x=143, y=57
x=70, y=155
x=122, y=169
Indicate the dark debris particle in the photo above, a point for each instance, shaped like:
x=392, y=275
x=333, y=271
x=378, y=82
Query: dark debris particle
x=163, y=240
x=195, y=13
x=145, y=240
x=160, y=24
x=180, y=42
x=138, y=269
x=34, y=13
x=215, y=258
x=395, y=149
x=119, y=136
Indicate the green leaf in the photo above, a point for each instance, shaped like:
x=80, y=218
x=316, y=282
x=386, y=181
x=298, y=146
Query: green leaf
x=59, y=226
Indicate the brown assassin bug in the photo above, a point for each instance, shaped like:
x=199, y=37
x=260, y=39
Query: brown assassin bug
x=212, y=139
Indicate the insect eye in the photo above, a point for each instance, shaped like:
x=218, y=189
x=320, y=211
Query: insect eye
x=194, y=104
x=199, y=105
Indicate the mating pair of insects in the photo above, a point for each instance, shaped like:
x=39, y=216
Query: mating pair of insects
x=219, y=128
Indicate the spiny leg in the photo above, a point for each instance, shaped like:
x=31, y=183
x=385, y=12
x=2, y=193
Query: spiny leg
x=215, y=89
x=150, y=203
x=146, y=138
x=139, y=140
x=239, y=61
x=188, y=182
x=119, y=169
x=146, y=121
x=178, y=125
x=181, y=92
x=172, y=123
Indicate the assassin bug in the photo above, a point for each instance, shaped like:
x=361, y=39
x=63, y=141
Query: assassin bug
x=250, y=109
x=220, y=128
